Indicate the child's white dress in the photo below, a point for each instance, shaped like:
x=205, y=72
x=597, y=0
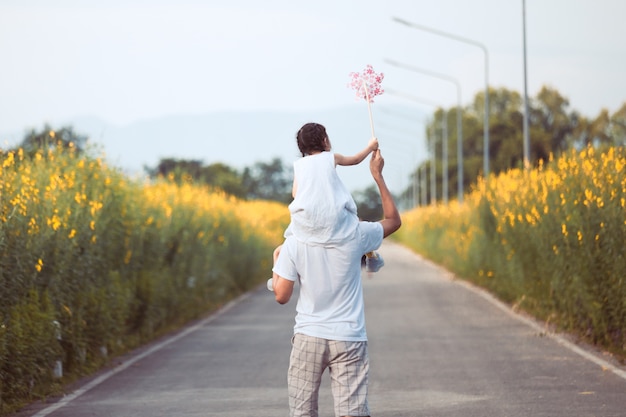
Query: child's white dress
x=323, y=211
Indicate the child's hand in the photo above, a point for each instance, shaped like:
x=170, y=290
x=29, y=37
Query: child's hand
x=373, y=144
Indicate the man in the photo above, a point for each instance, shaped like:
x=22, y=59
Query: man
x=330, y=320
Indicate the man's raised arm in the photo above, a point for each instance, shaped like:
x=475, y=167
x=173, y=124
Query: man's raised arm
x=391, y=217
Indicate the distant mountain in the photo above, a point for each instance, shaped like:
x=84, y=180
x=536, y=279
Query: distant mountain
x=240, y=139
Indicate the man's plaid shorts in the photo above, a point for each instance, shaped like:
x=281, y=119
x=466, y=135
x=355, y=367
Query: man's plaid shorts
x=348, y=365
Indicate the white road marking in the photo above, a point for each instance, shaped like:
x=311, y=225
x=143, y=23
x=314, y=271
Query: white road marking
x=99, y=380
x=531, y=323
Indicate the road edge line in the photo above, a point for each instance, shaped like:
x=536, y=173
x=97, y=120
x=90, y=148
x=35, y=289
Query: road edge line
x=160, y=345
x=605, y=365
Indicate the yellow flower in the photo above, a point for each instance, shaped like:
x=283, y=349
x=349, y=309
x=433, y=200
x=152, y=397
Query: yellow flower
x=599, y=202
x=79, y=197
x=8, y=161
x=39, y=265
x=95, y=206
x=54, y=222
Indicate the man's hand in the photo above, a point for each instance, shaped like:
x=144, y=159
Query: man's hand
x=377, y=162
x=391, y=218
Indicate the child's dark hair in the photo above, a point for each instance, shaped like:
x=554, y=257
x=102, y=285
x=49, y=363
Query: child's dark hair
x=311, y=138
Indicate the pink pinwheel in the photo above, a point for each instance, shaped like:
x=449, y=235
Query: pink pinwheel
x=367, y=86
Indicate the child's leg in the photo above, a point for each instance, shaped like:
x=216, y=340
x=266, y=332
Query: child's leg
x=373, y=261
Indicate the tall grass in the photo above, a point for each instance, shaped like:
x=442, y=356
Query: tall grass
x=551, y=240
x=93, y=263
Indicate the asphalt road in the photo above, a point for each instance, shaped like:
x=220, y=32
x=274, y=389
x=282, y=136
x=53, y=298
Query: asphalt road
x=437, y=346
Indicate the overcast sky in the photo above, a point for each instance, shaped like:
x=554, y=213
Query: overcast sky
x=124, y=60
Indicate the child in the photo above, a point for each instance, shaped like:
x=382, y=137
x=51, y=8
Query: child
x=323, y=211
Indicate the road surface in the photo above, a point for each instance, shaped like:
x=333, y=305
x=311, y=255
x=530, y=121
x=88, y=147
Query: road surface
x=438, y=347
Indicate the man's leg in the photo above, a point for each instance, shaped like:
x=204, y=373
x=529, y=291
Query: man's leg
x=349, y=373
x=309, y=358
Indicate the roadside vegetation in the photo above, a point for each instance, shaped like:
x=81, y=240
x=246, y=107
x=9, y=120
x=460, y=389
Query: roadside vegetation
x=549, y=241
x=93, y=264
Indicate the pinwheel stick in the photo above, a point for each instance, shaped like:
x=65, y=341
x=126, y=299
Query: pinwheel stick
x=369, y=107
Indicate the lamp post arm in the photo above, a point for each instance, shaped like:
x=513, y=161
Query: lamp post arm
x=425, y=71
x=441, y=33
x=486, y=52
x=412, y=97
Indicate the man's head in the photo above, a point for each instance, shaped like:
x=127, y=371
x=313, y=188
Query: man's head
x=312, y=138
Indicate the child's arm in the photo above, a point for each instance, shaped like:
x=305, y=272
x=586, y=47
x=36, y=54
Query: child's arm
x=356, y=159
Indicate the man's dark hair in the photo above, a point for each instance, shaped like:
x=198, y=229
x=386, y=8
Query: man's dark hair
x=311, y=138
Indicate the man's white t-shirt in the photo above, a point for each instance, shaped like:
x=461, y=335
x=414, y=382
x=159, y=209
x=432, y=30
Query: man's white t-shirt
x=330, y=305
x=323, y=211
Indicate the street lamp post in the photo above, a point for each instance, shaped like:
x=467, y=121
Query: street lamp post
x=423, y=185
x=433, y=169
x=526, y=134
x=444, y=158
x=444, y=162
x=410, y=197
x=417, y=184
x=459, y=122
x=484, y=49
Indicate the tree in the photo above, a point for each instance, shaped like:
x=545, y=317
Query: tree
x=596, y=132
x=216, y=175
x=177, y=169
x=49, y=138
x=580, y=130
x=618, y=126
x=550, y=114
x=224, y=177
x=369, y=206
x=505, y=136
x=554, y=128
x=599, y=129
x=268, y=181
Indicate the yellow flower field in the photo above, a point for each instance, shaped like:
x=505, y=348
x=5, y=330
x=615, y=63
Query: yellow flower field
x=92, y=261
x=551, y=240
